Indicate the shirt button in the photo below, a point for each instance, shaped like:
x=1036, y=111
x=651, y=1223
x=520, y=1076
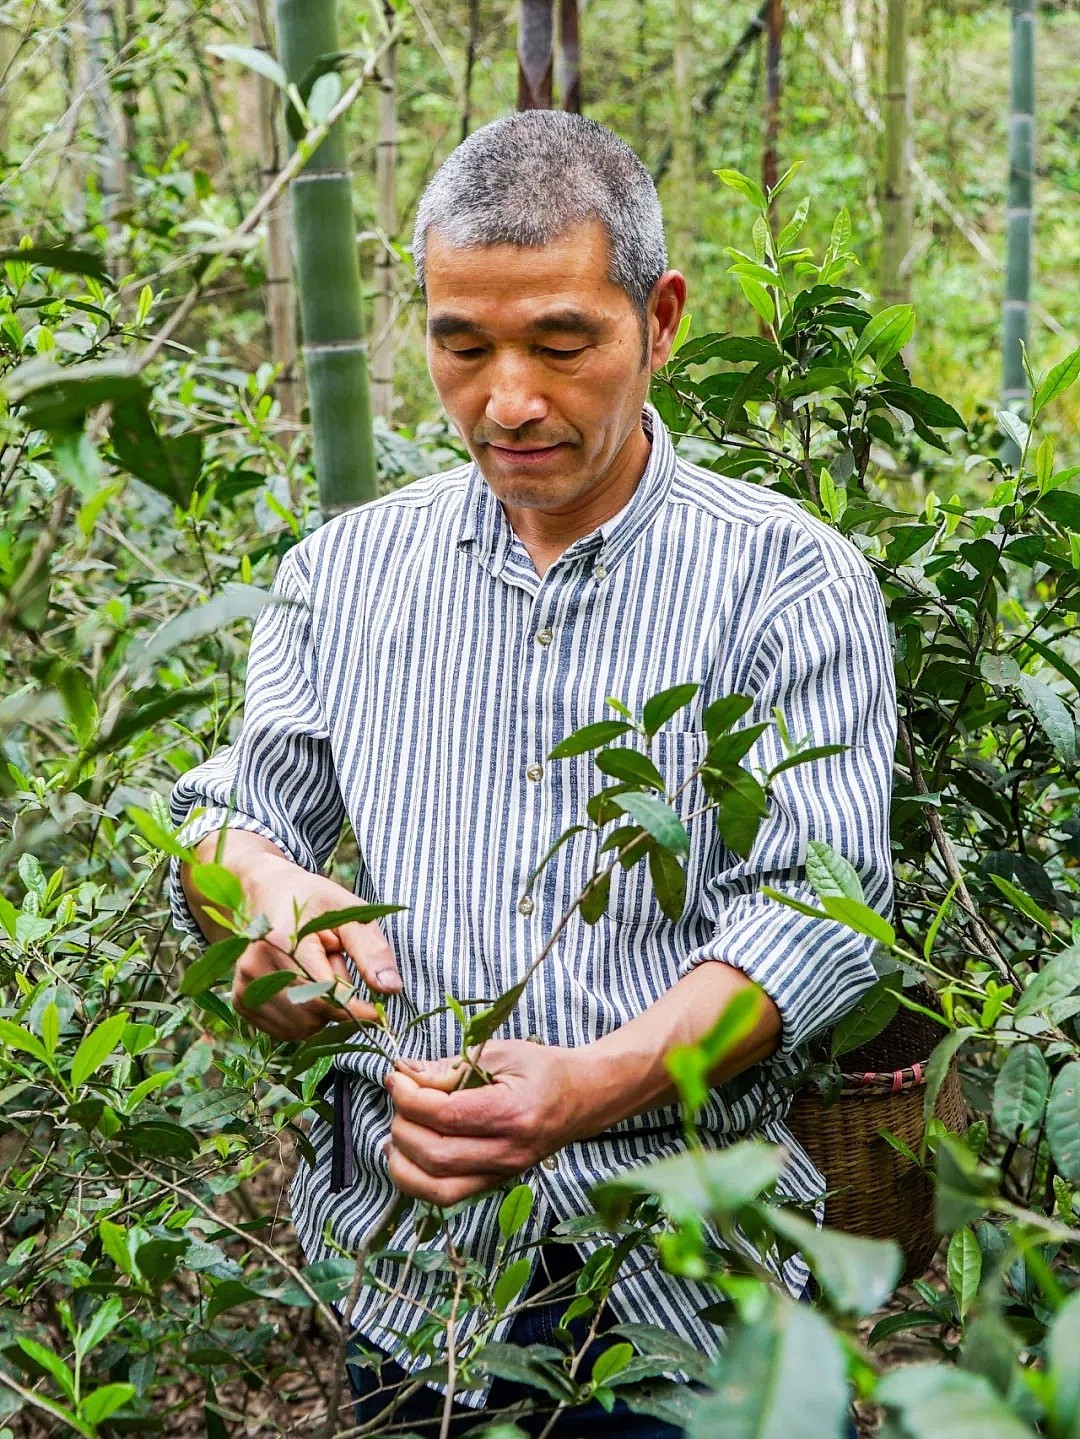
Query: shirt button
x=550, y=1162
x=535, y=772
x=525, y=905
x=544, y=637
x=599, y=572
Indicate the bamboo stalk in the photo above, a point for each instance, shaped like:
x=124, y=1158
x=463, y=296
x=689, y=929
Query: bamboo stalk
x=470, y=64
x=570, y=56
x=536, y=35
x=382, y=346
x=681, y=179
x=280, y=291
x=328, y=280
x=110, y=156
x=1019, y=214
x=896, y=197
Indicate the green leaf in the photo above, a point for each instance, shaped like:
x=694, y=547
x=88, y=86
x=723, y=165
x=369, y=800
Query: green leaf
x=781, y=1376
x=97, y=1406
x=114, y=1241
x=1058, y=979
x=722, y=714
x=219, y=885
x=1062, y=1347
x=50, y=1362
x=692, y=1185
x=483, y=1025
x=669, y=881
x=595, y=903
x=233, y=602
x=887, y=334
x=1014, y=427
x=1023, y=902
x=1063, y=1121
x=1057, y=381
x=937, y=1401
x=630, y=765
x=591, y=736
x=96, y=1048
x=830, y=873
x=856, y=1273
x=515, y=1210
x=659, y=709
x=611, y=1362
x=511, y=1282
x=1020, y=1090
x=1053, y=714
x=964, y=1266
x=553, y=851
x=807, y=756
x=15, y=1037
x=964, y=1188
x=103, y=1321
x=354, y=914
x=691, y=1064
x=56, y=398
x=266, y=987
x=257, y=60
x=745, y=186
x=868, y=1017
x=214, y=965
x=656, y=818
x=860, y=917
x=156, y=834
x=170, y=464
x=937, y=1067
x=64, y=258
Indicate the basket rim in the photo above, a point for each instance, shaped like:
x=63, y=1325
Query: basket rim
x=882, y=1081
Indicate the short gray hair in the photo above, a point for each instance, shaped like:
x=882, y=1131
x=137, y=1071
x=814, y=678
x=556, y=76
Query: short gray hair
x=525, y=179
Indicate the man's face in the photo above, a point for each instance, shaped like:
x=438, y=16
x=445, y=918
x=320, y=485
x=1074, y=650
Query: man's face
x=537, y=358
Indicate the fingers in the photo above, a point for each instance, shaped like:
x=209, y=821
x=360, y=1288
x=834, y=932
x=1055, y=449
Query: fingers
x=411, y=1179
x=448, y=1157
x=444, y=1074
x=366, y=946
x=279, y=1016
x=464, y=1112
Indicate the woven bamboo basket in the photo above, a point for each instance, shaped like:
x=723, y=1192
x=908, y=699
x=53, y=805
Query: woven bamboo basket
x=877, y=1191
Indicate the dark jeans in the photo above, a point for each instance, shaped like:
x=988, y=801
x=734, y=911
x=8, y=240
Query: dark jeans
x=422, y=1412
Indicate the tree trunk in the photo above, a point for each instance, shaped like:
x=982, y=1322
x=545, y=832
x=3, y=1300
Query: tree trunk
x=681, y=178
x=328, y=279
x=536, y=35
x=896, y=196
x=110, y=156
x=280, y=292
x=471, y=41
x=774, y=22
x=569, y=56
x=1021, y=167
x=382, y=347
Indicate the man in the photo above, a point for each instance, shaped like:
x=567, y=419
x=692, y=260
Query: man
x=445, y=639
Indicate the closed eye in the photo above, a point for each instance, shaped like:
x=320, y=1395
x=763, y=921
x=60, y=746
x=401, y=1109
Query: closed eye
x=472, y=353
x=563, y=354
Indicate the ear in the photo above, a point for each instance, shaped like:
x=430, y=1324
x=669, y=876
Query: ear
x=666, y=305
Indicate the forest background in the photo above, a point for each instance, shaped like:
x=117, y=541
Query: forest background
x=158, y=461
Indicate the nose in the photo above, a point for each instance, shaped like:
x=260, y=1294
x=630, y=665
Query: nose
x=514, y=398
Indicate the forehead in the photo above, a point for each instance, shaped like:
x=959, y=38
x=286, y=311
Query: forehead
x=512, y=285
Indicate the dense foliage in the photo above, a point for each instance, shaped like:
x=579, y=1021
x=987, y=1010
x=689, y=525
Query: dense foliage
x=149, y=483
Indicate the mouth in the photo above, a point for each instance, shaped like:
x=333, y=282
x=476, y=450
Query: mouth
x=532, y=455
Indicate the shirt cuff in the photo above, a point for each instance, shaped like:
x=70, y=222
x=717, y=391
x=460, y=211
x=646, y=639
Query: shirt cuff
x=814, y=970
x=207, y=822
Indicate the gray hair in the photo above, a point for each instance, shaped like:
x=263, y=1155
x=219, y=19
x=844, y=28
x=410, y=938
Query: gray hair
x=525, y=179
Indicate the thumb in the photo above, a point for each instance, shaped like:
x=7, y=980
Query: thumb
x=444, y=1074
x=366, y=946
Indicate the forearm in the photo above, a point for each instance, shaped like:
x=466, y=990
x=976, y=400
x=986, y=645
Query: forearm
x=624, y=1073
x=243, y=852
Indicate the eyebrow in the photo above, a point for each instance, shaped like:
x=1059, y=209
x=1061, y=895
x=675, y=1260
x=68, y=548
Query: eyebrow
x=561, y=322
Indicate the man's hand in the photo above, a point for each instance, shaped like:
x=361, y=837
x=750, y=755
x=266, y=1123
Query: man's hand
x=448, y=1143
x=275, y=887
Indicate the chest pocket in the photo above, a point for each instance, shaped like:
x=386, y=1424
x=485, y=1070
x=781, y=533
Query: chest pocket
x=676, y=755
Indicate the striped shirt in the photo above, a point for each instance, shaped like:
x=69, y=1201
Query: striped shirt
x=417, y=690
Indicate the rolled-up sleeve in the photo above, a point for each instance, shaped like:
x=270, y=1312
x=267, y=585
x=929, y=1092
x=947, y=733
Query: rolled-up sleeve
x=825, y=662
x=278, y=778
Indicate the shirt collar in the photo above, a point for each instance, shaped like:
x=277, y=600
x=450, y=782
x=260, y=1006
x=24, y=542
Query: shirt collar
x=484, y=522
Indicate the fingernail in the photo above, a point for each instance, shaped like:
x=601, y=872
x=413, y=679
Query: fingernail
x=388, y=979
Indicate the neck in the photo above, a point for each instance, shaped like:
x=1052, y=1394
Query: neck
x=546, y=534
